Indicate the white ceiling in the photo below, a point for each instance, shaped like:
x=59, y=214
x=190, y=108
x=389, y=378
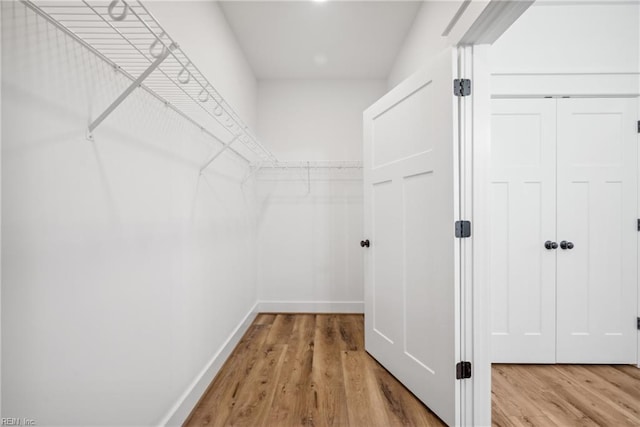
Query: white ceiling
x=318, y=40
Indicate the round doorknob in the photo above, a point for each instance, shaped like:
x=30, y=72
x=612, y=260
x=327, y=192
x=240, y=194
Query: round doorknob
x=566, y=245
x=364, y=243
x=550, y=245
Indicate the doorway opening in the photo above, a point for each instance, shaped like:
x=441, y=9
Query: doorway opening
x=563, y=196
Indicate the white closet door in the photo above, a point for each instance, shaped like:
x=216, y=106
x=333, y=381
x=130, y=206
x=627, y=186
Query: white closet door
x=523, y=209
x=412, y=300
x=597, y=213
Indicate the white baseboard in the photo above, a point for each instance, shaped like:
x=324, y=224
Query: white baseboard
x=185, y=404
x=188, y=400
x=311, y=306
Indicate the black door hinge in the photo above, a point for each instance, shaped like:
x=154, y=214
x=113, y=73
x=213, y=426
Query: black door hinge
x=639, y=323
x=463, y=370
x=463, y=229
x=462, y=87
x=638, y=224
x=638, y=126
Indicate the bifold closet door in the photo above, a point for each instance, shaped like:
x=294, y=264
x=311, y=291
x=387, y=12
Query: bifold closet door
x=597, y=215
x=523, y=218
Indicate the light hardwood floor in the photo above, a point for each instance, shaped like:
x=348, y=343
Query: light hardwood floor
x=565, y=395
x=312, y=370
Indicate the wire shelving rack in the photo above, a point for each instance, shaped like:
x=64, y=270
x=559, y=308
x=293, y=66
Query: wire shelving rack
x=128, y=37
x=328, y=164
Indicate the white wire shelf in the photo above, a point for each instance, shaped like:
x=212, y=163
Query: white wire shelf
x=304, y=170
x=126, y=35
x=331, y=164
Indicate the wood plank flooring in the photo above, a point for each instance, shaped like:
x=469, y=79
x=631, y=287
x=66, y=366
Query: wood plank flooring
x=565, y=395
x=307, y=370
x=312, y=370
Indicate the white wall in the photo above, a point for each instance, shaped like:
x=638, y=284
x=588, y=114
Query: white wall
x=424, y=41
x=124, y=270
x=586, y=49
x=315, y=119
x=309, y=233
x=563, y=38
x=308, y=242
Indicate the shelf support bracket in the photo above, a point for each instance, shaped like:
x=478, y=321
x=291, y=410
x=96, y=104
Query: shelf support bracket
x=222, y=150
x=252, y=171
x=308, y=178
x=136, y=83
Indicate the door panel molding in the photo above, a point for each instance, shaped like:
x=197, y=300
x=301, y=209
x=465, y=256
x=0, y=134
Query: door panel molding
x=597, y=212
x=412, y=268
x=523, y=215
x=595, y=176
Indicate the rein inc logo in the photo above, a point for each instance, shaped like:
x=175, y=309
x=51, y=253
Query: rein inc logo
x=17, y=422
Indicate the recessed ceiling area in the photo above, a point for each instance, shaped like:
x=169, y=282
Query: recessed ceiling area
x=320, y=39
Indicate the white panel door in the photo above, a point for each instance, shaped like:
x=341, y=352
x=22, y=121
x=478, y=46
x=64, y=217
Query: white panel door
x=597, y=214
x=523, y=218
x=411, y=186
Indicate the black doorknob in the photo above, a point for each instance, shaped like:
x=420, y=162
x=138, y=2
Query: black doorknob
x=566, y=245
x=550, y=245
x=364, y=243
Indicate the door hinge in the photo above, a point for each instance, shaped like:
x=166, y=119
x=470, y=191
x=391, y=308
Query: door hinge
x=639, y=323
x=462, y=87
x=463, y=370
x=463, y=229
x=638, y=224
x=638, y=126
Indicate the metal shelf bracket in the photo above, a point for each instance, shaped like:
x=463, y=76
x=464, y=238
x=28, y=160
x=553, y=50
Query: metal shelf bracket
x=253, y=169
x=128, y=38
x=308, y=178
x=222, y=150
x=134, y=85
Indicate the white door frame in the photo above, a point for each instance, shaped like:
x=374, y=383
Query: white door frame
x=475, y=157
x=0, y=200
x=474, y=143
x=474, y=27
x=485, y=23
x=475, y=160
x=475, y=154
x=637, y=87
x=474, y=149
